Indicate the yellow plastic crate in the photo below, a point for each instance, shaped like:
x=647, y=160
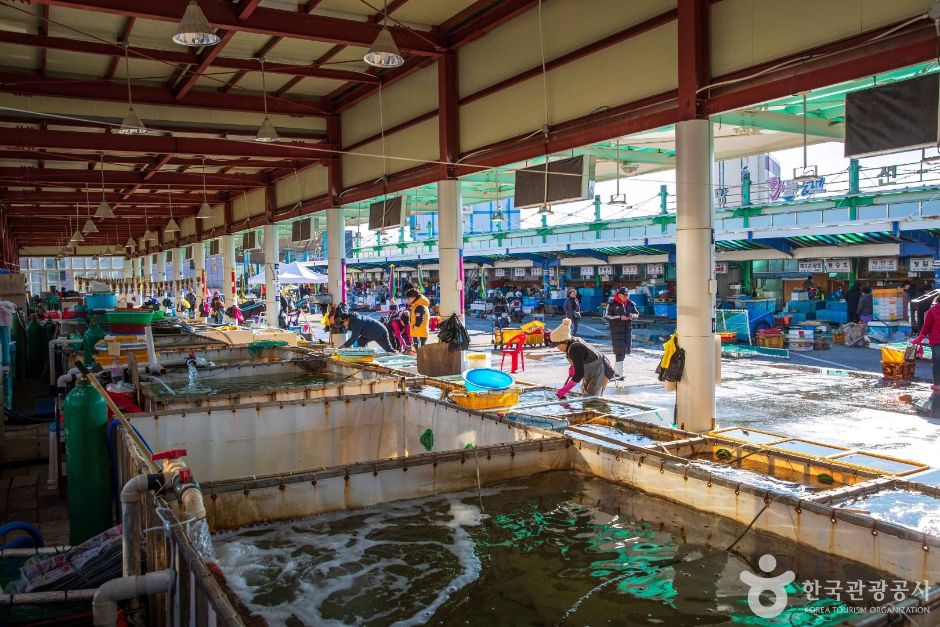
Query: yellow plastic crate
x=486, y=400
x=361, y=359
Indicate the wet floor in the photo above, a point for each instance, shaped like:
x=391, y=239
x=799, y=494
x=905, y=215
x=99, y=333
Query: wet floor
x=829, y=406
x=554, y=549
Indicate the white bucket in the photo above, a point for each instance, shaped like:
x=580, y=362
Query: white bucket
x=478, y=360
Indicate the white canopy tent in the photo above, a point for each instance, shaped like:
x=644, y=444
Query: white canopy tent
x=291, y=273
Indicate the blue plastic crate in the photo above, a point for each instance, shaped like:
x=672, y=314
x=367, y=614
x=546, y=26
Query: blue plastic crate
x=667, y=310
x=837, y=306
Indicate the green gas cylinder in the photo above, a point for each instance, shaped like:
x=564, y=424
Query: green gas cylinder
x=86, y=457
x=35, y=345
x=18, y=333
x=93, y=335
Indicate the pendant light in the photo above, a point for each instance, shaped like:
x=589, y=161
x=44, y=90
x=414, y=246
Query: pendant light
x=89, y=223
x=131, y=124
x=131, y=245
x=266, y=132
x=104, y=211
x=205, y=211
x=545, y=210
x=618, y=198
x=384, y=53
x=497, y=218
x=194, y=29
x=171, y=226
x=149, y=236
x=77, y=235
x=808, y=172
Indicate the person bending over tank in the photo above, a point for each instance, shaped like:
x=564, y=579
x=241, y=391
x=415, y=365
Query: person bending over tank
x=364, y=330
x=587, y=366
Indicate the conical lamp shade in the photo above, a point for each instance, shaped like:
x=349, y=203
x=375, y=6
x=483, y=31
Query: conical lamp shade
x=130, y=245
x=104, y=211
x=266, y=133
x=150, y=236
x=384, y=52
x=171, y=226
x=89, y=227
x=77, y=236
x=205, y=211
x=194, y=29
x=132, y=124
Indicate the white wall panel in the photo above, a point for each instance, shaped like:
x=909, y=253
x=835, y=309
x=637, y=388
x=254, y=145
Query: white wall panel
x=410, y=97
x=748, y=32
x=309, y=183
x=609, y=78
x=566, y=25
x=414, y=146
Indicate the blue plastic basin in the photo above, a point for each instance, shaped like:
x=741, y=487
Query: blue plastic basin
x=486, y=379
x=101, y=301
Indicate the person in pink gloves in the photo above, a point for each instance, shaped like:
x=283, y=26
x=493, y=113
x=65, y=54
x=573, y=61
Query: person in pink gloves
x=588, y=366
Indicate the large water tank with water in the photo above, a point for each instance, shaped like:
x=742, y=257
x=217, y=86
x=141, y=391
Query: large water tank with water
x=86, y=456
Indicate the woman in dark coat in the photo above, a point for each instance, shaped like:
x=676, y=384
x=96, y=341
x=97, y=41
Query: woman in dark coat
x=621, y=311
x=851, y=301
x=572, y=309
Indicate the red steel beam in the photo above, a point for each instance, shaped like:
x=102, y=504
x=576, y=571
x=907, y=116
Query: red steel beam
x=174, y=56
x=27, y=176
x=693, y=57
x=159, y=144
x=43, y=32
x=35, y=85
x=264, y=21
x=189, y=76
x=124, y=37
x=449, y=117
x=26, y=155
x=159, y=197
x=476, y=28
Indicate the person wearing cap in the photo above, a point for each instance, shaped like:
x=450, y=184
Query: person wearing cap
x=587, y=366
x=363, y=330
x=572, y=309
x=621, y=312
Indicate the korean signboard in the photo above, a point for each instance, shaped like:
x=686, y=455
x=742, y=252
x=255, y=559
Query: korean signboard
x=655, y=269
x=810, y=266
x=721, y=267
x=605, y=270
x=499, y=272
x=883, y=264
x=838, y=265
x=536, y=272
x=587, y=271
x=631, y=270
x=921, y=264
x=518, y=271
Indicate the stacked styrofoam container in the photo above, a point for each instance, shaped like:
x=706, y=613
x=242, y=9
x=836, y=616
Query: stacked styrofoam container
x=800, y=339
x=888, y=304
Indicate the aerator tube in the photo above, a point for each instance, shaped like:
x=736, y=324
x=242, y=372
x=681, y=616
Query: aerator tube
x=104, y=605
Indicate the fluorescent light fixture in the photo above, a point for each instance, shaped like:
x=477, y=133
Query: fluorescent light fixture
x=194, y=29
x=545, y=210
x=805, y=174
x=618, y=199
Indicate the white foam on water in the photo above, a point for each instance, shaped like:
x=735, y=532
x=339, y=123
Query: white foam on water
x=316, y=571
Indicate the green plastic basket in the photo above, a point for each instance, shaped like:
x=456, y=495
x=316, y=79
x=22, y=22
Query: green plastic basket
x=157, y=315
x=130, y=316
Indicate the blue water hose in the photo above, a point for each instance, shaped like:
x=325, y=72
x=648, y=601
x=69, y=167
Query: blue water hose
x=34, y=539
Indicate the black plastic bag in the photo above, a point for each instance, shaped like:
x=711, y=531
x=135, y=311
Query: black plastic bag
x=454, y=334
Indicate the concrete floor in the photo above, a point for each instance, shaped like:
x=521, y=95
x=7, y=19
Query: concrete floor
x=836, y=396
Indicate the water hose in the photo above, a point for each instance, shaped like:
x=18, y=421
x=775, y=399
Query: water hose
x=35, y=536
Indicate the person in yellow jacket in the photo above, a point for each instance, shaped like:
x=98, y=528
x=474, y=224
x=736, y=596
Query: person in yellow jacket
x=420, y=316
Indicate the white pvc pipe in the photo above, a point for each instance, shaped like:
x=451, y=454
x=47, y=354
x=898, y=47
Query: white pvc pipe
x=450, y=240
x=104, y=606
x=271, y=283
x=336, y=254
x=695, y=275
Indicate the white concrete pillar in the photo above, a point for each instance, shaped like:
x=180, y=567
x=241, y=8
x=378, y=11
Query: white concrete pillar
x=450, y=246
x=137, y=289
x=695, y=275
x=228, y=269
x=271, y=282
x=199, y=267
x=161, y=266
x=336, y=254
x=148, y=275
